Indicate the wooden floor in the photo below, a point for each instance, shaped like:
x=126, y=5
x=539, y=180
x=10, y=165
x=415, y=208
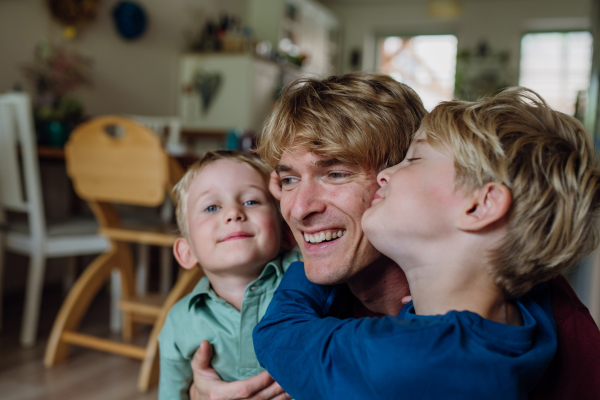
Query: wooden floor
x=87, y=374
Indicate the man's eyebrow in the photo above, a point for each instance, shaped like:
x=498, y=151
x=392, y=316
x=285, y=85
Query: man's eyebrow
x=282, y=168
x=320, y=164
x=328, y=163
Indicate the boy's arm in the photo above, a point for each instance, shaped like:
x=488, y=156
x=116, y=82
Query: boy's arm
x=175, y=370
x=209, y=386
x=317, y=357
x=175, y=379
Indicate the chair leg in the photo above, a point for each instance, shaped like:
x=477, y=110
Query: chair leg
x=166, y=269
x=83, y=292
x=149, y=370
x=33, y=298
x=2, y=248
x=78, y=301
x=128, y=289
x=70, y=274
x=141, y=273
x=116, y=325
x=122, y=286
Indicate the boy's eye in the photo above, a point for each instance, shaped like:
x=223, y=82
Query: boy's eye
x=413, y=159
x=212, y=208
x=250, y=202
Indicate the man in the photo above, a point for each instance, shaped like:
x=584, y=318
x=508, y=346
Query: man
x=327, y=140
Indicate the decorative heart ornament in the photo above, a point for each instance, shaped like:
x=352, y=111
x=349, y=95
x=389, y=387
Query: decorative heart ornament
x=207, y=85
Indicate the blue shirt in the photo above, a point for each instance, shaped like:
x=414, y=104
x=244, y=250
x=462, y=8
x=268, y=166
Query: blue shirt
x=459, y=355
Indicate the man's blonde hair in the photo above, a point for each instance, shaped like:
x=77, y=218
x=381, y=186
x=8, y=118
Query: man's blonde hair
x=362, y=119
x=181, y=189
x=546, y=159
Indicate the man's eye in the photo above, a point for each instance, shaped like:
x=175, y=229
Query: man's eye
x=288, y=181
x=338, y=175
x=250, y=202
x=212, y=208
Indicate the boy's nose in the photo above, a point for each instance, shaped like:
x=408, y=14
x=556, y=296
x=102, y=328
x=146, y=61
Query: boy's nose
x=235, y=214
x=383, y=176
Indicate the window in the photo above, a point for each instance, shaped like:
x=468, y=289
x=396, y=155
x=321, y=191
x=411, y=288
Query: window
x=425, y=63
x=557, y=66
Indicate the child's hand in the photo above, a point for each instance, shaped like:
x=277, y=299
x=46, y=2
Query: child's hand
x=209, y=386
x=406, y=299
x=274, y=186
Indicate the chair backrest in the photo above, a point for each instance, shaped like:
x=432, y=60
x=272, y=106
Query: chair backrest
x=160, y=125
x=20, y=184
x=114, y=159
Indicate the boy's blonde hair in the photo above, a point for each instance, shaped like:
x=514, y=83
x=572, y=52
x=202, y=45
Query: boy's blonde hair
x=546, y=159
x=182, y=187
x=362, y=119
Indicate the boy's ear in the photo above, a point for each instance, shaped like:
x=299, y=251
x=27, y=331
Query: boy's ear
x=485, y=206
x=183, y=253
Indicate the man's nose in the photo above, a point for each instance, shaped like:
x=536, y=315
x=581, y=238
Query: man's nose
x=308, y=200
x=235, y=214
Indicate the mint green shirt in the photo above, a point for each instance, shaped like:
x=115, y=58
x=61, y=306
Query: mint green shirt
x=202, y=315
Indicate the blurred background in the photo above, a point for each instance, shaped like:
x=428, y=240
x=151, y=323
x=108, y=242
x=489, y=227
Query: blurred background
x=204, y=74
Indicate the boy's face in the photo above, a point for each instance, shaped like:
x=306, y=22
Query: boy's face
x=416, y=204
x=234, y=227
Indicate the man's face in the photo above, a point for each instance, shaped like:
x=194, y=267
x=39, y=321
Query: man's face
x=321, y=198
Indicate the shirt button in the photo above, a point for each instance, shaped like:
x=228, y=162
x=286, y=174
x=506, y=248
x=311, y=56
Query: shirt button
x=253, y=288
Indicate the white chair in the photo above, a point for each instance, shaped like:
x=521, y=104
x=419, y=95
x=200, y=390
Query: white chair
x=21, y=191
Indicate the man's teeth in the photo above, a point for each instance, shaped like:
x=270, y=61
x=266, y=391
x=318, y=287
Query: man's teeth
x=321, y=237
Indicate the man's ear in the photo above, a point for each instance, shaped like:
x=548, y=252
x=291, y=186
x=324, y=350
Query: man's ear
x=485, y=206
x=275, y=186
x=288, y=241
x=183, y=253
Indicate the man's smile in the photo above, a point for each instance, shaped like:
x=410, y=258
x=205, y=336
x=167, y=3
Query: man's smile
x=324, y=235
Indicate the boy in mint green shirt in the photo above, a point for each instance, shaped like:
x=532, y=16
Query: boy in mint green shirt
x=230, y=226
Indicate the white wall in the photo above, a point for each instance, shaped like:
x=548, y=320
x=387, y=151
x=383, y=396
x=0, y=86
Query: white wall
x=138, y=77
x=500, y=22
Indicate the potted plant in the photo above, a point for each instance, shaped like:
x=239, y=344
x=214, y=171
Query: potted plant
x=56, y=72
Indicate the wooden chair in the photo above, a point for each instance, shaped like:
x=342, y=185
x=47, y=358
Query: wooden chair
x=114, y=160
x=21, y=192
x=168, y=130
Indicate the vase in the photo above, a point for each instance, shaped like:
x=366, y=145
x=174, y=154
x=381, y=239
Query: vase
x=53, y=133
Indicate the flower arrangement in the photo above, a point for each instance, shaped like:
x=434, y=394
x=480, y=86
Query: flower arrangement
x=54, y=73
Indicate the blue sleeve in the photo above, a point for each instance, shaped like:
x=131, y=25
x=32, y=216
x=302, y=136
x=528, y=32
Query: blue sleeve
x=317, y=357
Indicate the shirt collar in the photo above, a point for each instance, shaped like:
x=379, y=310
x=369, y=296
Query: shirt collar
x=203, y=289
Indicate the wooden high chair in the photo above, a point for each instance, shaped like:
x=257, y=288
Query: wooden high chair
x=115, y=160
